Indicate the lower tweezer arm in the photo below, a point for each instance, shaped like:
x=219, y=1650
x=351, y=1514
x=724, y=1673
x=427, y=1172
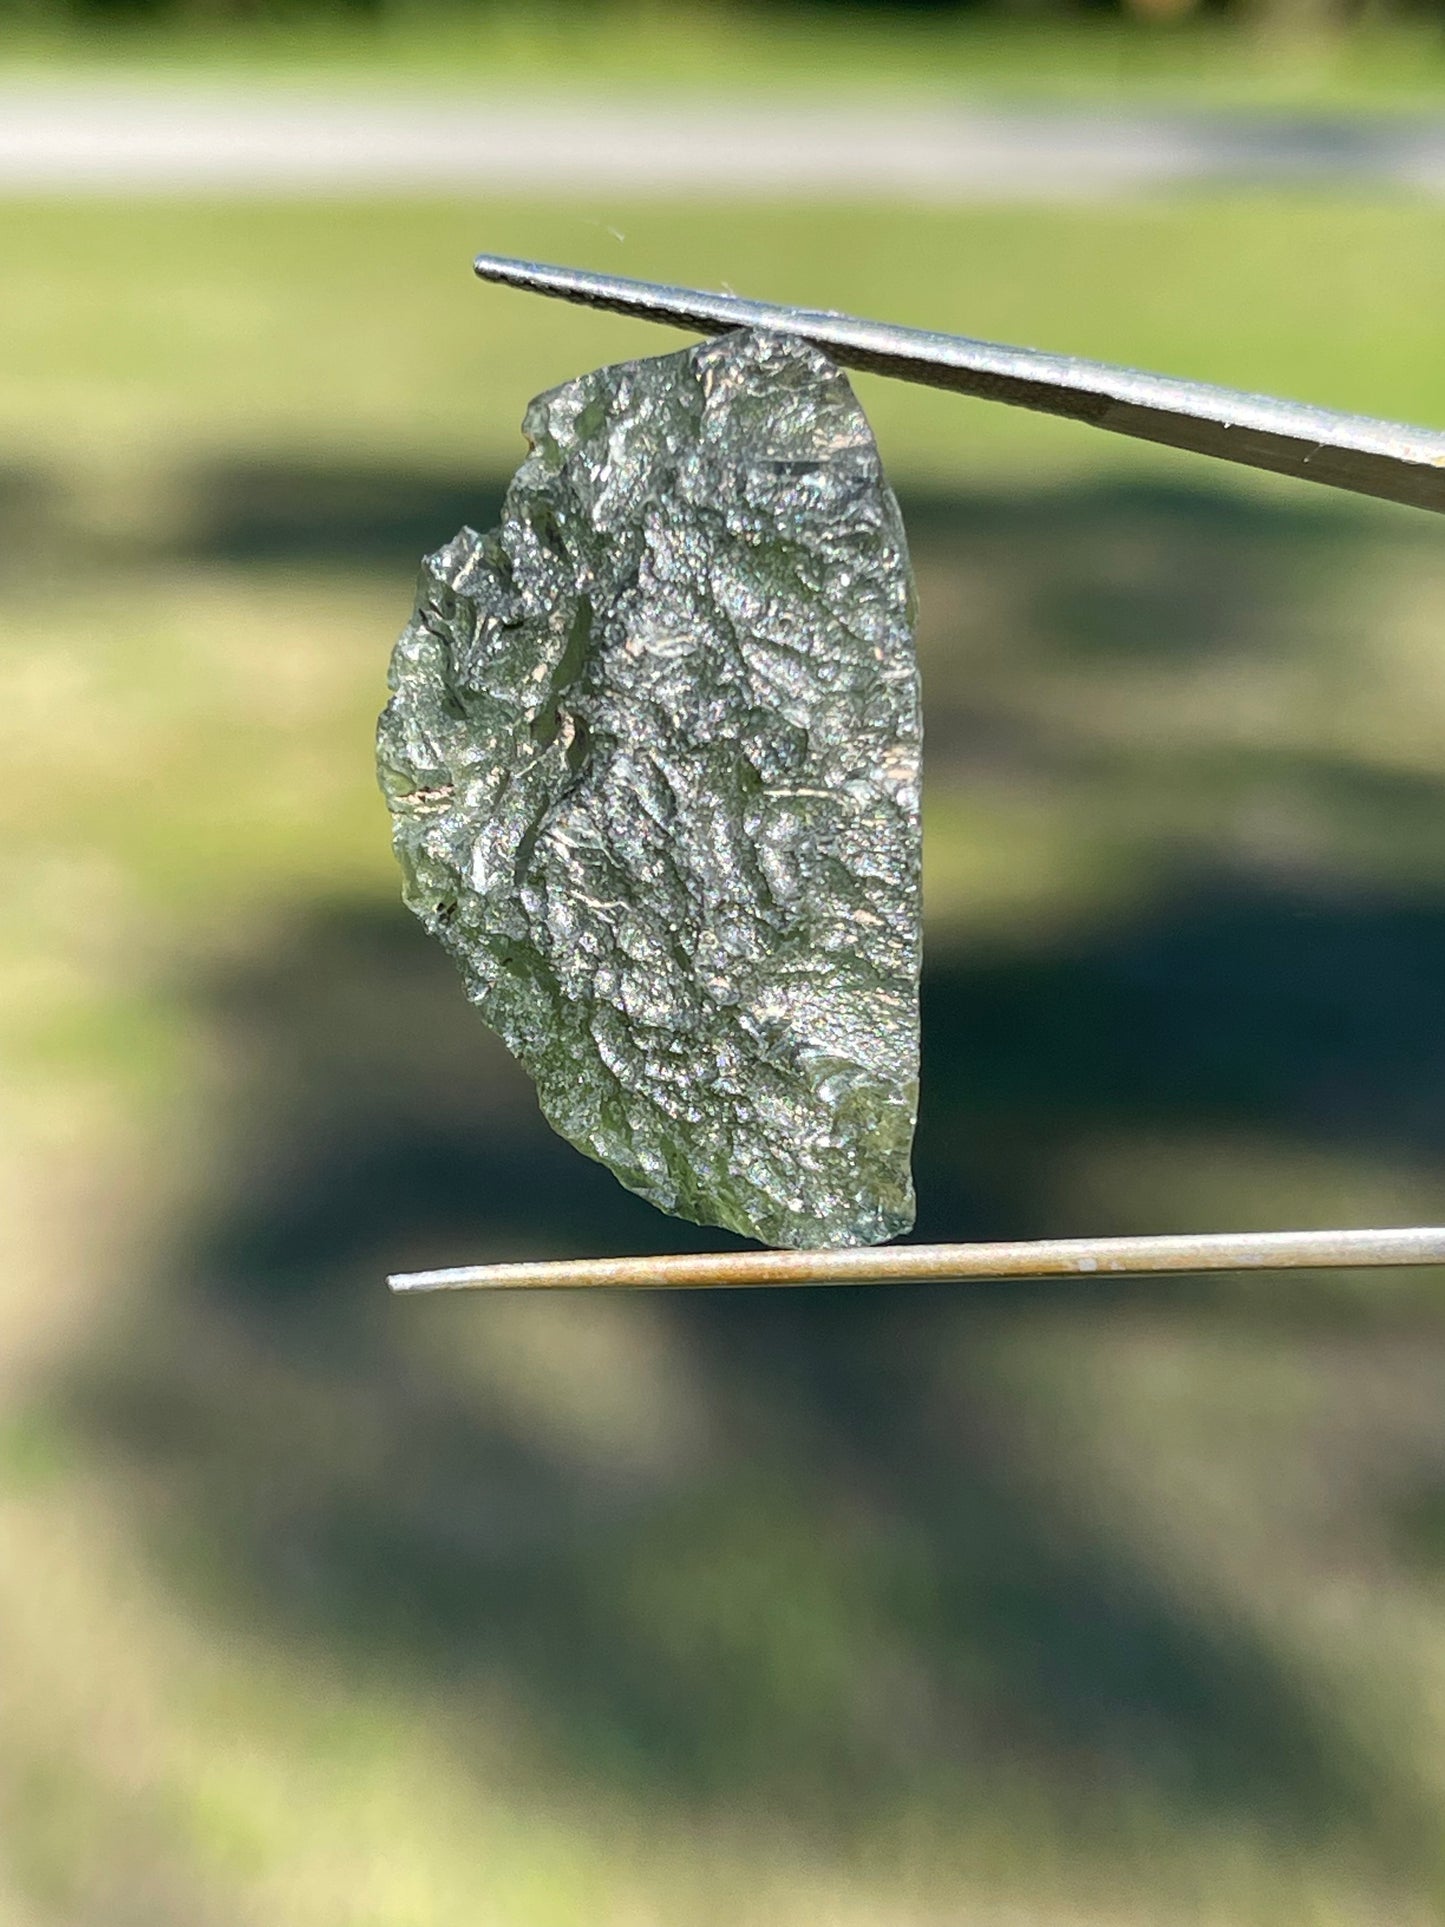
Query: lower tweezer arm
x=918, y=1264
x=1353, y=452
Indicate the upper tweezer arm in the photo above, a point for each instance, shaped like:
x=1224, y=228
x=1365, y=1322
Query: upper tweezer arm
x=1353, y=452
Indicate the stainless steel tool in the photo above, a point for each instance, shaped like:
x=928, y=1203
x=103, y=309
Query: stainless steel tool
x=1353, y=452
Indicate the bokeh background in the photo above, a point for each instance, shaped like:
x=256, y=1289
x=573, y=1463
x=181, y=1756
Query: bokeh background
x=1116, y=1605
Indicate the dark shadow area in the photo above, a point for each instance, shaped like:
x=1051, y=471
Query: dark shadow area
x=1127, y=572
x=1290, y=1011
x=1420, y=1529
x=30, y=506
x=316, y=1477
x=322, y=514
x=325, y=514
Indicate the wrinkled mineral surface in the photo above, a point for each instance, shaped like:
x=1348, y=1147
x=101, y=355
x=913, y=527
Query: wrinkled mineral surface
x=653, y=762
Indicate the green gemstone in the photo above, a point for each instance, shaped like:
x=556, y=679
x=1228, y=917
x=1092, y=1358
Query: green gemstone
x=653, y=762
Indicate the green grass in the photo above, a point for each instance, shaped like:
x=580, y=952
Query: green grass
x=140, y=337
x=322, y=1611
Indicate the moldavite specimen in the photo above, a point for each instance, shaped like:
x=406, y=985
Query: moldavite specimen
x=652, y=759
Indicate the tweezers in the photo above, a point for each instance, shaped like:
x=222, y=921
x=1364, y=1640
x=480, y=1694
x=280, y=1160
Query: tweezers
x=1351, y=452
x=1354, y=452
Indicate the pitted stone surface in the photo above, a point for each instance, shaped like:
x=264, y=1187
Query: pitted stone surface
x=653, y=762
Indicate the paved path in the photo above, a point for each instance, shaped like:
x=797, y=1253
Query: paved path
x=124, y=140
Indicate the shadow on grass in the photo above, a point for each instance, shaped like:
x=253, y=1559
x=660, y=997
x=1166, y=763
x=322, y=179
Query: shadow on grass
x=845, y=1609
x=1116, y=567
x=32, y=512
x=259, y=513
x=852, y=1605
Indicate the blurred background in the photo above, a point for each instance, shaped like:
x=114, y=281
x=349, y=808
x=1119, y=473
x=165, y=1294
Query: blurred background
x=986, y=1607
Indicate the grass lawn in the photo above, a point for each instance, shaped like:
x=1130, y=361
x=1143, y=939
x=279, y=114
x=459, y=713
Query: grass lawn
x=992, y=1607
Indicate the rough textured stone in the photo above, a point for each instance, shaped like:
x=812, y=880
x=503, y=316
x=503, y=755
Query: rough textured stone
x=652, y=758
